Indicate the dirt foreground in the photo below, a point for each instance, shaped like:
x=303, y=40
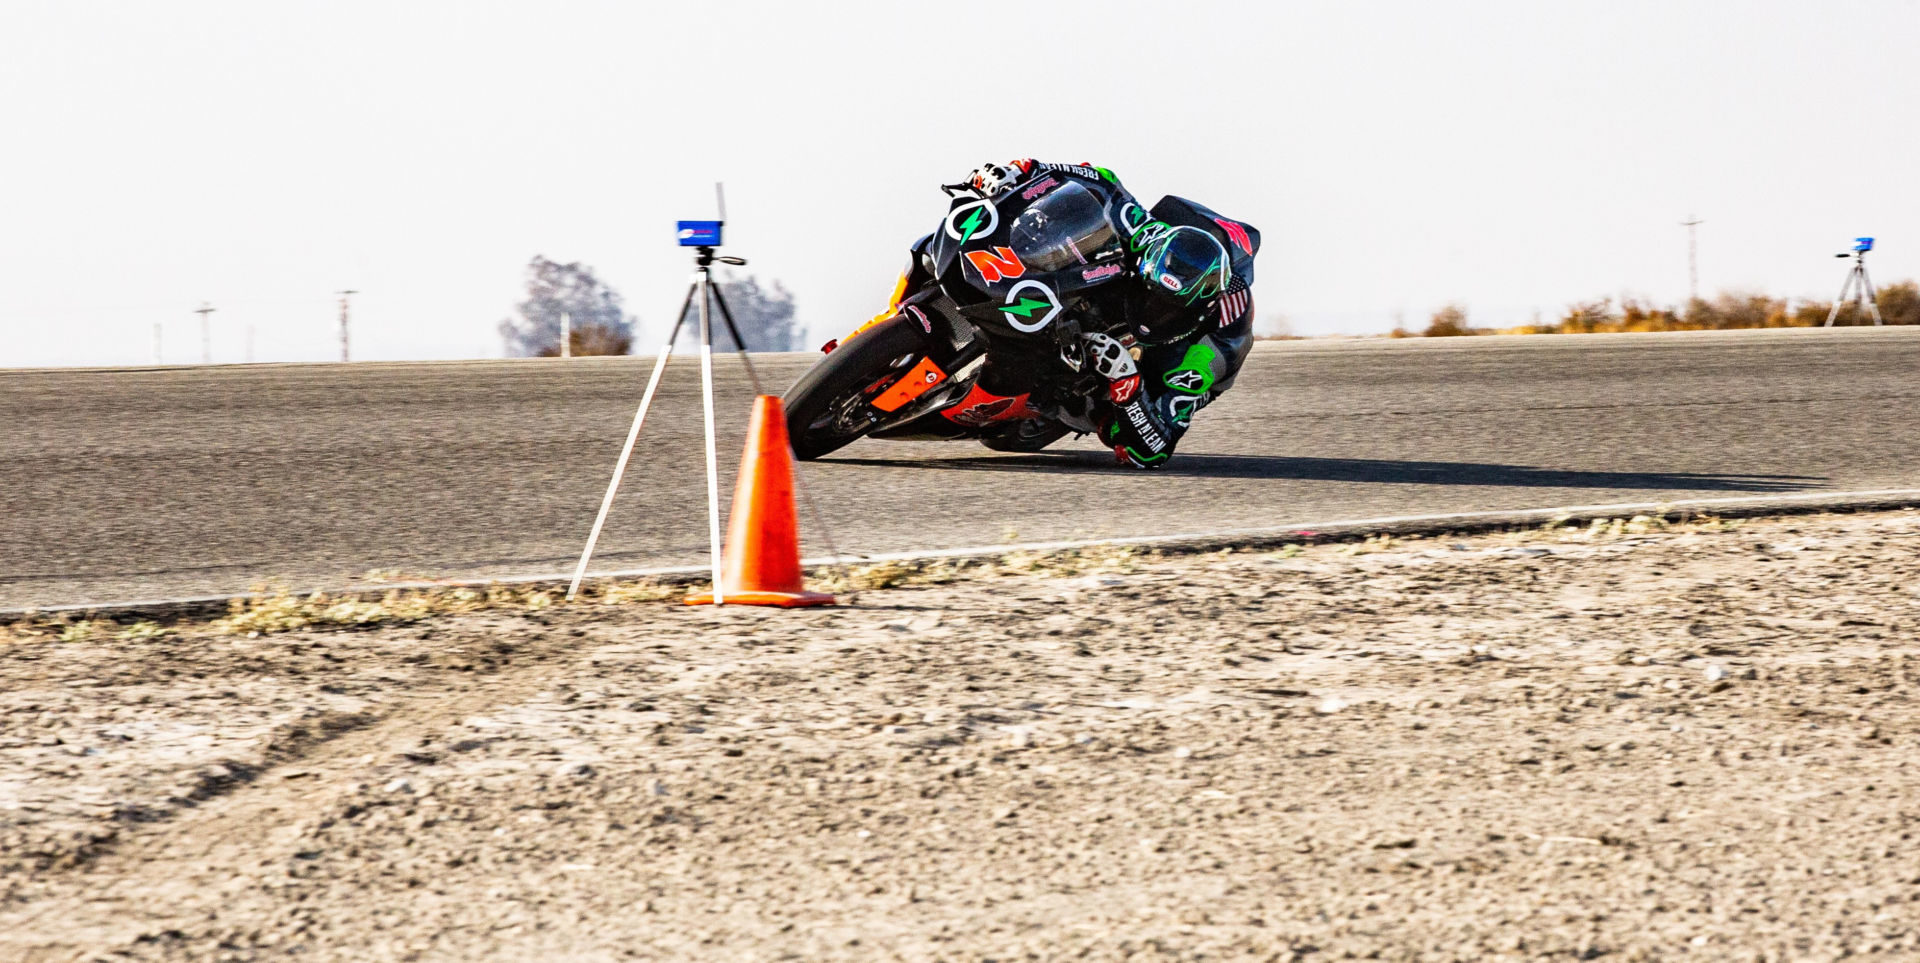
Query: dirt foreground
x=1696, y=743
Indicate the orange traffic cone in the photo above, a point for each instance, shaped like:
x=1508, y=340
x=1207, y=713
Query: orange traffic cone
x=763, y=537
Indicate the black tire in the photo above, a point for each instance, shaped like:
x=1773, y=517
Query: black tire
x=831, y=389
x=1027, y=436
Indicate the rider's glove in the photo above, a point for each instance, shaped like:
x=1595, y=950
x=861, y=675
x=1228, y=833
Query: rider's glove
x=990, y=179
x=1134, y=430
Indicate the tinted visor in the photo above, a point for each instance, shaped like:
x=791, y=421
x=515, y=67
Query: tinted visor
x=1186, y=264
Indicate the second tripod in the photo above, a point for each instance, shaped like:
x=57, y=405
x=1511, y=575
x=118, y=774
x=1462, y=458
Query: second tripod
x=1857, y=283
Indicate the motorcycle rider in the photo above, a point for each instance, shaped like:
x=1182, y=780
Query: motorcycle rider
x=1189, y=312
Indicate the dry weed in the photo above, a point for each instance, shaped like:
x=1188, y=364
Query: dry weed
x=276, y=609
x=623, y=593
x=83, y=631
x=141, y=631
x=1373, y=543
x=1118, y=559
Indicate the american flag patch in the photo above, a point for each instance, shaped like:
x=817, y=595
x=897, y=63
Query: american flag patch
x=1235, y=305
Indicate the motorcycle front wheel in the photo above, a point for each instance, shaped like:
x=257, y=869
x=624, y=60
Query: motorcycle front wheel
x=827, y=408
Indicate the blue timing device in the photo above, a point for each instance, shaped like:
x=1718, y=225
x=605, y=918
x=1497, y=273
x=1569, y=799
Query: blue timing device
x=700, y=233
x=1863, y=244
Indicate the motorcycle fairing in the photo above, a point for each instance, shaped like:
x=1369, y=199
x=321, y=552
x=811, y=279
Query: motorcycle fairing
x=981, y=407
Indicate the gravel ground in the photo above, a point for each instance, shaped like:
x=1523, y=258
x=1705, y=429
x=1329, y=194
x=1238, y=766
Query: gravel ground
x=1692, y=743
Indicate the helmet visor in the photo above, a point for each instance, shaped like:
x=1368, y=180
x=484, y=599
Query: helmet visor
x=1185, y=264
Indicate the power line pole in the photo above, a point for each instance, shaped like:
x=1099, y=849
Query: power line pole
x=566, y=334
x=206, y=333
x=1692, y=224
x=344, y=295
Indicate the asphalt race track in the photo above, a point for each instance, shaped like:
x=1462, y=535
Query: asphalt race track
x=150, y=483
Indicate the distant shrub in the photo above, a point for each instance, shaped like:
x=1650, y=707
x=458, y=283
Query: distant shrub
x=1636, y=315
x=1449, y=322
x=1729, y=310
x=1588, y=317
x=1899, y=303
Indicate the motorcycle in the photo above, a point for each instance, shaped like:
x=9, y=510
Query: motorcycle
x=1013, y=280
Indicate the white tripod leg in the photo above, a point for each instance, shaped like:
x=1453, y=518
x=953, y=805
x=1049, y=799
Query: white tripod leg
x=1866, y=291
x=1834, y=312
x=620, y=467
x=713, y=469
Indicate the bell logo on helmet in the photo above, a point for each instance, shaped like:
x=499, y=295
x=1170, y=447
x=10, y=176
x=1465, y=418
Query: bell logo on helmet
x=1170, y=282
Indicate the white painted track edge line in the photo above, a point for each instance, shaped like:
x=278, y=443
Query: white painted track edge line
x=1890, y=497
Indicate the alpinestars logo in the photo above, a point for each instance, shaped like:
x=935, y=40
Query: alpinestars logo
x=1019, y=309
x=1183, y=409
x=1122, y=391
x=1186, y=380
x=996, y=265
x=976, y=218
x=1140, y=226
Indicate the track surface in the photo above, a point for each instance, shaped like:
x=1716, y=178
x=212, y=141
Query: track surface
x=138, y=484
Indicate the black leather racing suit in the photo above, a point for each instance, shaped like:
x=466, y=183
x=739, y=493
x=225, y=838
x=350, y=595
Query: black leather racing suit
x=1184, y=363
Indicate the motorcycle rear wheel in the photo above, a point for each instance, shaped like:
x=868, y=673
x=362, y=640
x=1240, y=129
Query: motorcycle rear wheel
x=826, y=408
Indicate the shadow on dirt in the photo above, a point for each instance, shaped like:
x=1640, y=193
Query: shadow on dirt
x=1377, y=471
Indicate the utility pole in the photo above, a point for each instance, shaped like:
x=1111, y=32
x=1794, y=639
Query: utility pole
x=1692, y=224
x=344, y=295
x=566, y=334
x=206, y=333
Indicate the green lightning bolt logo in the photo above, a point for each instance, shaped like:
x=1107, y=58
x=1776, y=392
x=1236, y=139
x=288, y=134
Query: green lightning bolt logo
x=971, y=224
x=1030, y=314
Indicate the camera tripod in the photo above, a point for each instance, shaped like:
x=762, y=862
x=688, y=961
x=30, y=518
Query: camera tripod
x=709, y=297
x=1861, y=286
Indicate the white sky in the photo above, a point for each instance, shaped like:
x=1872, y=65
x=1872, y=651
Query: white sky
x=1397, y=156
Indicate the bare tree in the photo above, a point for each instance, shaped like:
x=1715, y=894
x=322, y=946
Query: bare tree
x=764, y=314
x=600, y=322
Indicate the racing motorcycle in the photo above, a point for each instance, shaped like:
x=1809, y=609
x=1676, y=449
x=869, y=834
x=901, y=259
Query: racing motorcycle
x=1014, y=280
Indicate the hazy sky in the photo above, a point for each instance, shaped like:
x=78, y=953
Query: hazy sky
x=1510, y=156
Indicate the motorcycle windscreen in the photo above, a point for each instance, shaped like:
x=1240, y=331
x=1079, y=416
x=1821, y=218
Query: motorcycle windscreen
x=1066, y=229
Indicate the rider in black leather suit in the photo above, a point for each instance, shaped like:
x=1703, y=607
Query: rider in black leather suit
x=1189, y=315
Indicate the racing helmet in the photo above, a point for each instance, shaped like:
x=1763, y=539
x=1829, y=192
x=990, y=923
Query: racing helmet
x=1183, y=270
